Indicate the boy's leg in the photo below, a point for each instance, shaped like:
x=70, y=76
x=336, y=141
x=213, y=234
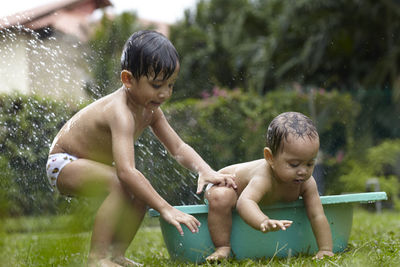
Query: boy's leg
x=114, y=234
x=86, y=177
x=130, y=219
x=221, y=201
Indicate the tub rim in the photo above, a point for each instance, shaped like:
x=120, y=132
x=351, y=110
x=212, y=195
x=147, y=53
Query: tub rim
x=368, y=197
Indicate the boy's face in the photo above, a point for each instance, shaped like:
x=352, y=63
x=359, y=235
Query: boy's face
x=294, y=164
x=150, y=92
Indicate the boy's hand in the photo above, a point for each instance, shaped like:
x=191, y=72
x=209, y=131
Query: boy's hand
x=176, y=217
x=274, y=225
x=322, y=253
x=216, y=178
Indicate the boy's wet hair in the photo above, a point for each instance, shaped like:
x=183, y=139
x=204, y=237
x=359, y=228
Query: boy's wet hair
x=296, y=124
x=149, y=53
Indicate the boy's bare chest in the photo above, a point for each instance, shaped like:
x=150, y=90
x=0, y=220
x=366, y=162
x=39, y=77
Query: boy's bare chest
x=141, y=123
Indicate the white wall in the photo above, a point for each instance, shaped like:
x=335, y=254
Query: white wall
x=59, y=70
x=13, y=64
x=53, y=67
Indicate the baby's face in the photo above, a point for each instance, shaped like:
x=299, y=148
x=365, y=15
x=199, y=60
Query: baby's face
x=295, y=163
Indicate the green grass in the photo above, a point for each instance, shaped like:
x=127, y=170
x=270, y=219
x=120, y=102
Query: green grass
x=57, y=241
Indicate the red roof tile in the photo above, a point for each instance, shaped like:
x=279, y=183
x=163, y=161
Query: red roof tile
x=68, y=16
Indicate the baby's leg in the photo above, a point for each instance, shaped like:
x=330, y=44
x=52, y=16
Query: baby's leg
x=221, y=202
x=85, y=177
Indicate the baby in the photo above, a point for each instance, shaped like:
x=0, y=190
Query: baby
x=93, y=154
x=283, y=175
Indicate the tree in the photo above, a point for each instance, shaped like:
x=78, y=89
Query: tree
x=207, y=40
x=106, y=45
x=258, y=44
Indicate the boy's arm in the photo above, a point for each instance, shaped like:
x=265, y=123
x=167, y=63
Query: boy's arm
x=122, y=130
x=187, y=156
x=248, y=209
x=316, y=215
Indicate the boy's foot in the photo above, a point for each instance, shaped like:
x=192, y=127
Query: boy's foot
x=220, y=253
x=126, y=262
x=103, y=263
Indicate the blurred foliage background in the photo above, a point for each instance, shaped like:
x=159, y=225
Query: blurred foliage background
x=242, y=63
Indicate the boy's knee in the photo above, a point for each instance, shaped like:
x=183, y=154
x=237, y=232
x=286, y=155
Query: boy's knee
x=221, y=197
x=116, y=184
x=141, y=205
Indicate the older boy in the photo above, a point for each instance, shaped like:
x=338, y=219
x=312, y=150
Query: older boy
x=284, y=174
x=95, y=148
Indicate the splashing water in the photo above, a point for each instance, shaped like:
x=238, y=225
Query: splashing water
x=43, y=62
x=175, y=184
x=43, y=74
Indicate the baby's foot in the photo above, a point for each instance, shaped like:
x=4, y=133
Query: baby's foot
x=220, y=253
x=126, y=262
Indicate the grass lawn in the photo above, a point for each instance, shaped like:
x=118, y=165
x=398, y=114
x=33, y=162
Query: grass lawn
x=58, y=241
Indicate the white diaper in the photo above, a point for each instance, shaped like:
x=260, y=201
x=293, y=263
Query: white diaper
x=55, y=163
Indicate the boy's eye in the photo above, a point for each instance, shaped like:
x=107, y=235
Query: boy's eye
x=294, y=165
x=156, y=86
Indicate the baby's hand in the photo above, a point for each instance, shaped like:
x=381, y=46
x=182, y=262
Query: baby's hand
x=322, y=253
x=217, y=178
x=274, y=225
x=176, y=217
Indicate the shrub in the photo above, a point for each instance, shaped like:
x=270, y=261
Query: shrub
x=380, y=162
x=230, y=126
x=28, y=125
x=226, y=128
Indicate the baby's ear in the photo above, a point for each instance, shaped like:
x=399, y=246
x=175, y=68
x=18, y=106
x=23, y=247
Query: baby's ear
x=268, y=155
x=126, y=78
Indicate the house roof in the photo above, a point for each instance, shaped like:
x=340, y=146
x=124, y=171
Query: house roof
x=68, y=16
x=159, y=26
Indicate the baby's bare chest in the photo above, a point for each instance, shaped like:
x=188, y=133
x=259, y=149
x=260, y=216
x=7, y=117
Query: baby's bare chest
x=276, y=196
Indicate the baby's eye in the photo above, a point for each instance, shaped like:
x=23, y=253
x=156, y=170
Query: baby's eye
x=171, y=85
x=156, y=86
x=293, y=165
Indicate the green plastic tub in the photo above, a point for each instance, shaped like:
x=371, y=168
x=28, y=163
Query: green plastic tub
x=249, y=243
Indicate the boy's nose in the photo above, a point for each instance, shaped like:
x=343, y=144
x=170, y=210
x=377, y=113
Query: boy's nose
x=165, y=93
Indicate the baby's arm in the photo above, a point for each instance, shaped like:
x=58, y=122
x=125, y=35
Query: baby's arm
x=187, y=156
x=316, y=215
x=122, y=130
x=251, y=213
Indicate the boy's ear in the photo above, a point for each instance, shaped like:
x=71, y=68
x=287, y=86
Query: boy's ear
x=126, y=78
x=268, y=155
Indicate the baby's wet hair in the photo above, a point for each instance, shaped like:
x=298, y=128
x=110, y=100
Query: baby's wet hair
x=149, y=53
x=295, y=124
